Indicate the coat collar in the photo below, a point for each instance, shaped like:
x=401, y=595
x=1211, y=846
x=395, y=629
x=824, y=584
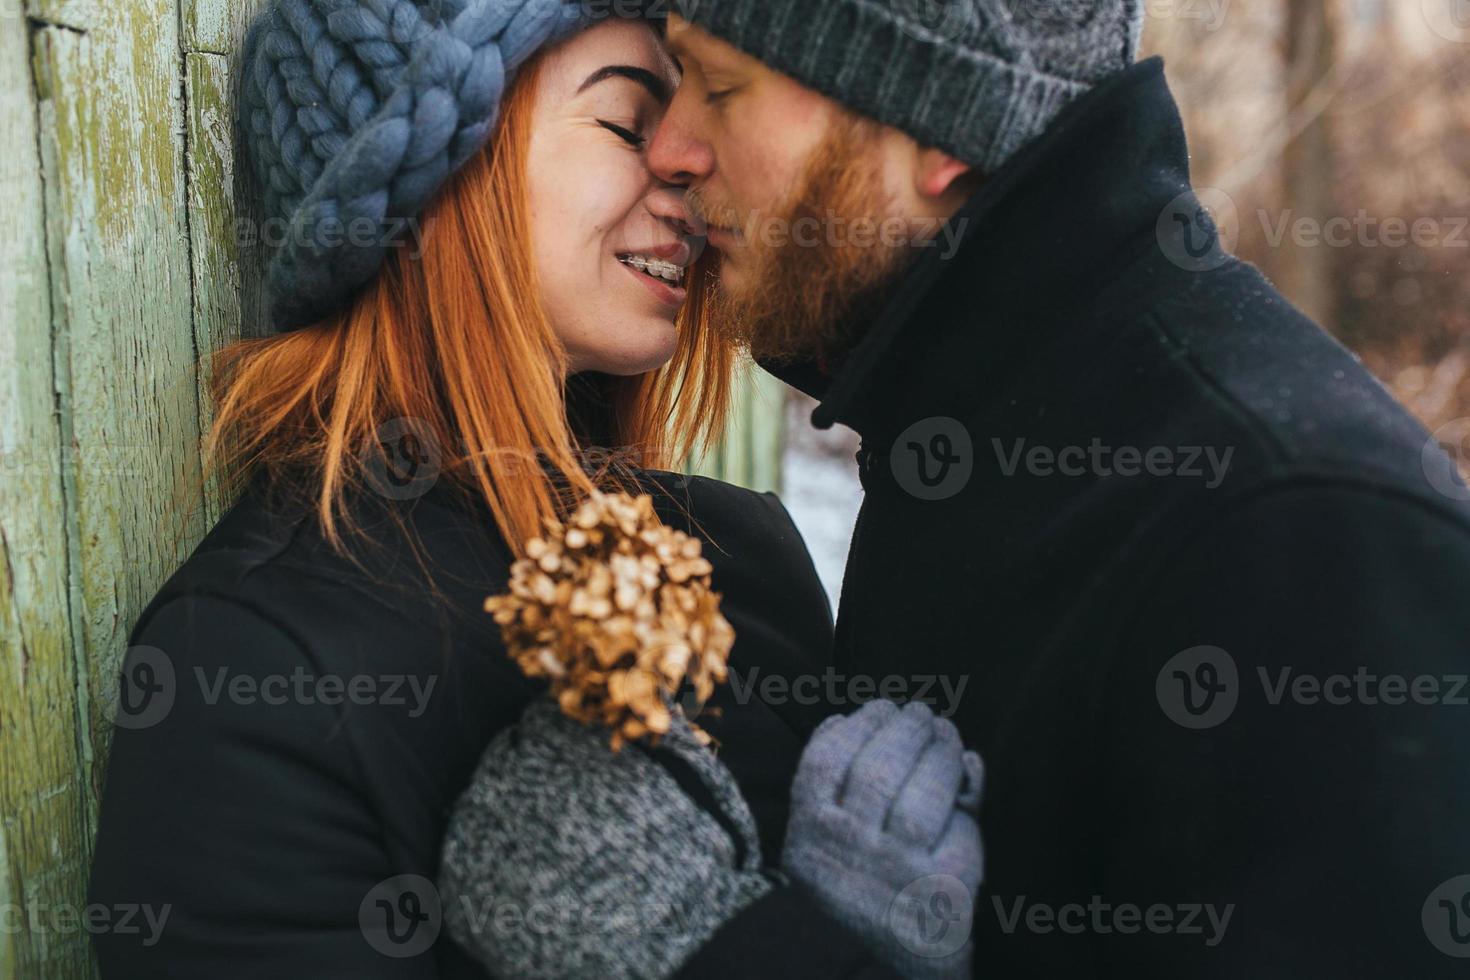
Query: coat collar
x=1044, y=232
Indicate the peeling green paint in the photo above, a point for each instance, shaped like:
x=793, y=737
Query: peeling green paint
x=99, y=419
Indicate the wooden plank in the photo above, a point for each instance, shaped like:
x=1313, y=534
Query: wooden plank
x=9, y=967
x=216, y=26
x=735, y=449
x=214, y=268
x=123, y=340
x=119, y=263
x=43, y=808
x=227, y=268
x=749, y=455
x=77, y=15
x=228, y=264
x=121, y=361
x=767, y=430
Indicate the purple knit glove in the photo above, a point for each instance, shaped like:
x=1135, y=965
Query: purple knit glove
x=883, y=833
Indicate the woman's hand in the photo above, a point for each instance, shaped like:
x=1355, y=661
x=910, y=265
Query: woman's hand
x=565, y=859
x=883, y=833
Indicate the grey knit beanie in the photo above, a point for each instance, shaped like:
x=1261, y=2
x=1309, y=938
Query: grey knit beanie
x=354, y=112
x=977, y=78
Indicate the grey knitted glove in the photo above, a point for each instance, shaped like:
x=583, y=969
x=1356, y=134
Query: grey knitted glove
x=564, y=859
x=883, y=834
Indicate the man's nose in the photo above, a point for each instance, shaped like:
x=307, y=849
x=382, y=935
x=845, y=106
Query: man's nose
x=678, y=152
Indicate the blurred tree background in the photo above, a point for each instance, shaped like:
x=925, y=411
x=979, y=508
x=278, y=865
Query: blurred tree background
x=1351, y=117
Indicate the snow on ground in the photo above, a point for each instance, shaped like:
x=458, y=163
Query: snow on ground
x=819, y=486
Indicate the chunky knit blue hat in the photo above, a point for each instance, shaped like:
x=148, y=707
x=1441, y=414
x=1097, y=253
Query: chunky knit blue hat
x=354, y=112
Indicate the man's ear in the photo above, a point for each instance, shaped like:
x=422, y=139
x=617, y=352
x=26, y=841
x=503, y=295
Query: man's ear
x=939, y=175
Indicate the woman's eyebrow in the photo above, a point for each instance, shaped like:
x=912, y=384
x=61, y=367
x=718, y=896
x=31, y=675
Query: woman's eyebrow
x=642, y=76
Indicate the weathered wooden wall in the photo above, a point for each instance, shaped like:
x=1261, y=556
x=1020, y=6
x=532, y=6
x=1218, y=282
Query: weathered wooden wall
x=117, y=268
x=120, y=265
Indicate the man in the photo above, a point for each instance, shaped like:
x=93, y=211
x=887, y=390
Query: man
x=1202, y=578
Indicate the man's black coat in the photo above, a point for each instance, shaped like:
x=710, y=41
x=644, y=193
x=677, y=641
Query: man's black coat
x=1206, y=584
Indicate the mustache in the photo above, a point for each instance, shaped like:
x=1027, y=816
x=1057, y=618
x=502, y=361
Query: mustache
x=711, y=212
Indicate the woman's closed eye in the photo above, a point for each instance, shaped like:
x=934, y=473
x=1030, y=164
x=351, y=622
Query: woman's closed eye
x=626, y=135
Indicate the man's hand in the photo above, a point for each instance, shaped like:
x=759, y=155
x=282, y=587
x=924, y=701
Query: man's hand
x=565, y=859
x=883, y=833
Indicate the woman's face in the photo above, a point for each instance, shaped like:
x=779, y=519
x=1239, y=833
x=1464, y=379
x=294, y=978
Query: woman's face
x=596, y=210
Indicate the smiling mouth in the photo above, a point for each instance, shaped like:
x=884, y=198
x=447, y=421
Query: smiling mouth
x=655, y=268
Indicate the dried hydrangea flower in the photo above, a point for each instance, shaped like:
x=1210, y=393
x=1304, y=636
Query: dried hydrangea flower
x=615, y=610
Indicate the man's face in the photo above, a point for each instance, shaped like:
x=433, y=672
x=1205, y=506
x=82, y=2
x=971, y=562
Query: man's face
x=742, y=140
x=782, y=175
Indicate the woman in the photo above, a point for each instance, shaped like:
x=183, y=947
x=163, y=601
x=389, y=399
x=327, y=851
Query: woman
x=309, y=694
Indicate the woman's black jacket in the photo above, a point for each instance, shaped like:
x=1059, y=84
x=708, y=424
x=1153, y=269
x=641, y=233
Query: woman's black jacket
x=294, y=727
